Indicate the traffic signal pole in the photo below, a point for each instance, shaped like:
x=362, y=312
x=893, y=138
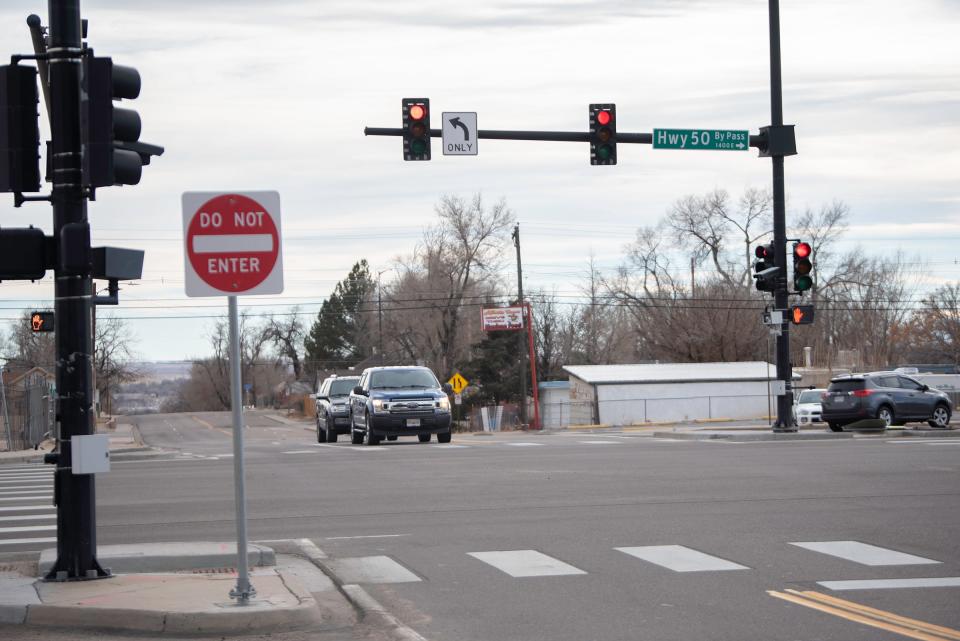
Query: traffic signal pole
x=74, y=493
x=785, y=421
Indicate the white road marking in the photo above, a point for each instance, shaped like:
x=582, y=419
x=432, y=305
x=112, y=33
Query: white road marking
x=26, y=498
x=680, y=558
x=526, y=563
x=38, y=528
x=863, y=553
x=924, y=441
x=51, y=539
x=27, y=489
x=26, y=475
x=26, y=508
x=300, y=452
x=597, y=442
x=364, y=536
x=887, y=584
x=449, y=446
x=29, y=517
x=372, y=569
x=524, y=444
x=364, y=448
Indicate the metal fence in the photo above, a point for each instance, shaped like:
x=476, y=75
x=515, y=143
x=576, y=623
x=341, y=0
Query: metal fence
x=28, y=415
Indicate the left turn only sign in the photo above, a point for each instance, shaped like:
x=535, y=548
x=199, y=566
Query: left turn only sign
x=232, y=243
x=459, y=131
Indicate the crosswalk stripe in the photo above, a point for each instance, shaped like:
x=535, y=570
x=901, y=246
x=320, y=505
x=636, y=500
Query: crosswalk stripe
x=27, y=489
x=32, y=475
x=863, y=553
x=524, y=444
x=886, y=584
x=680, y=558
x=32, y=497
x=27, y=528
x=26, y=508
x=526, y=563
x=51, y=539
x=372, y=569
x=597, y=442
x=29, y=517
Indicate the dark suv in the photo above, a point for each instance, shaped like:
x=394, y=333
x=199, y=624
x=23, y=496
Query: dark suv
x=333, y=411
x=893, y=398
x=399, y=401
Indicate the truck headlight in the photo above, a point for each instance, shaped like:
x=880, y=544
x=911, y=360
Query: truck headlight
x=444, y=404
x=380, y=406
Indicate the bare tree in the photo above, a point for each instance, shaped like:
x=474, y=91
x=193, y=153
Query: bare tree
x=456, y=264
x=286, y=335
x=112, y=356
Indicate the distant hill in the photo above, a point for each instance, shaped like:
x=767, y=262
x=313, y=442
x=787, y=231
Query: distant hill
x=156, y=371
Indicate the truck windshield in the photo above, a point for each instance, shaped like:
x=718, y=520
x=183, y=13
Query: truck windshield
x=400, y=378
x=342, y=386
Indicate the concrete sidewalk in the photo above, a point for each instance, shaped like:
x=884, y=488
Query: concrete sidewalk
x=124, y=438
x=183, y=589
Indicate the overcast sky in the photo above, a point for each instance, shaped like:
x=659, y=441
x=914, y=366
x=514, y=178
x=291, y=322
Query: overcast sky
x=250, y=95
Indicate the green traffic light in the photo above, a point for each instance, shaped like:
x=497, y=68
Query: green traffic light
x=803, y=283
x=604, y=152
x=418, y=147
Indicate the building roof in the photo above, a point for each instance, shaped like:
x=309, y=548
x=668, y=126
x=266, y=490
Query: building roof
x=674, y=372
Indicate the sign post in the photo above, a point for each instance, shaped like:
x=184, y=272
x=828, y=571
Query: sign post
x=232, y=245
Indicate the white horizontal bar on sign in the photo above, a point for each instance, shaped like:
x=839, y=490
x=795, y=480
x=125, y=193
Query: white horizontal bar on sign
x=230, y=243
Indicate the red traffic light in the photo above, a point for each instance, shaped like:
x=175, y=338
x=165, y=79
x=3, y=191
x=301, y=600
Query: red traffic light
x=802, y=250
x=417, y=112
x=763, y=251
x=604, y=117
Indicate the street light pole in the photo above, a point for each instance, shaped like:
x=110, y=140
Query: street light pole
x=521, y=348
x=380, y=315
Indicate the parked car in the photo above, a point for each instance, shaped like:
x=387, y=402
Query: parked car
x=891, y=397
x=806, y=407
x=333, y=410
x=399, y=401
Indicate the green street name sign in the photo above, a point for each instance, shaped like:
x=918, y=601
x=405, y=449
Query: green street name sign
x=722, y=139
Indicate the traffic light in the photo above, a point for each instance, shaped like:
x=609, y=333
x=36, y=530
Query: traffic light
x=19, y=130
x=25, y=253
x=603, y=134
x=416, y=128
x=802, y=280
x=112, y=153
x=801, y=314
x=765, y=268
x=41, y=322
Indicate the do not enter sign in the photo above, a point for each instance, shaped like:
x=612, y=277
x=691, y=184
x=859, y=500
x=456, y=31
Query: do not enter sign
x=232, y=243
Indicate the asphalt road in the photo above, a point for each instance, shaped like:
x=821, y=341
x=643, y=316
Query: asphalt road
x=558, y=507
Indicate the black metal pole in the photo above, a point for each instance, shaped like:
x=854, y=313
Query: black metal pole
x=521, y=345
x=76, y=513
x=784, y=420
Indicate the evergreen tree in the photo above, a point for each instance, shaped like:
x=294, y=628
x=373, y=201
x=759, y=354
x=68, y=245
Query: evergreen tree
x=338, y=335
x=494, y=369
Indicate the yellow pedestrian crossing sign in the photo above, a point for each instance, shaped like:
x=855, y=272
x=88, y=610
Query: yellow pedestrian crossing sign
x=458, y=383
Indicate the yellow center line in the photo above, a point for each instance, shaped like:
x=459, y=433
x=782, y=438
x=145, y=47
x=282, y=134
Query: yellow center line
x=868, y=616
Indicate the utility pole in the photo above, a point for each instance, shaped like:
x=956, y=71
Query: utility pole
x=75, y=497
x=521, y=348
x=380, y=316
x=781, y=143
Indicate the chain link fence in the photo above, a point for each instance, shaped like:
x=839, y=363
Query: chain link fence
x=28, y=414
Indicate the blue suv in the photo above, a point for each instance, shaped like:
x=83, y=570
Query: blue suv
x=891, y=397
x=399, y=401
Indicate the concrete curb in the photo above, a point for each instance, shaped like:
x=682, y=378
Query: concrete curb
x=368, y=607
x=731, y=436
x=169, y=557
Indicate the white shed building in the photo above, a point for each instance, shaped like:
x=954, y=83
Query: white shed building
x=637, y=394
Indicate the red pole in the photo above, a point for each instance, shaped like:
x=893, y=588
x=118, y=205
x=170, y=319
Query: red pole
x=533, y=370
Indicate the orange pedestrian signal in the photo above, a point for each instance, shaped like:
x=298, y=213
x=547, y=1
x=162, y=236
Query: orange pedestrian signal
x=41, y=321
x=801, y=314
